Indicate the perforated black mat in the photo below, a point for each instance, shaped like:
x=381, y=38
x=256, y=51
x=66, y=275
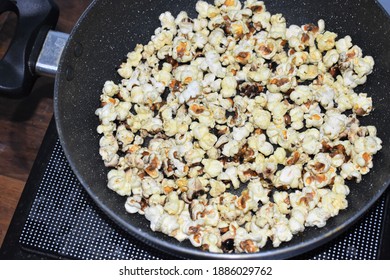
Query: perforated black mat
x=64, y=222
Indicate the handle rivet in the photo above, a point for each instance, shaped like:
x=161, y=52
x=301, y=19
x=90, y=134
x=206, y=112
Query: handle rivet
x=78, y=50
x=69, y=73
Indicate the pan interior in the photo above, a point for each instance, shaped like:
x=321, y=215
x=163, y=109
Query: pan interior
x=110, y=29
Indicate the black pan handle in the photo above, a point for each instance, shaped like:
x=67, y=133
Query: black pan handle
x=35, y=19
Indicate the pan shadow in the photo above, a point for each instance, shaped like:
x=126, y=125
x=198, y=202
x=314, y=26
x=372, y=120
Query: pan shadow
x=27, y=108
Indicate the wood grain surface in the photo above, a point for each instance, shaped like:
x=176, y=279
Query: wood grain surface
x=23, y=122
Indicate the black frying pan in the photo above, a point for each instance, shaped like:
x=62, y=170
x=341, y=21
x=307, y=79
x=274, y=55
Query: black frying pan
x=110, y=29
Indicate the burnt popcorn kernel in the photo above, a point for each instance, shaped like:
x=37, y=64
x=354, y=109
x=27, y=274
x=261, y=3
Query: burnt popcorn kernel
x=265, y=50
x=257, y=8
x=250, y=90
x=334, y=71
x=310, y=27
x=175, y=85
x=273, y=65
x=197, y=194
x=287, y=119
x=228, y=246
x=305, y=38
x=160, y=64
x=172, y=61
x=120, y=152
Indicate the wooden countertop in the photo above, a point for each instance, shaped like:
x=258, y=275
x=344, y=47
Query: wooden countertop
x=23, y=122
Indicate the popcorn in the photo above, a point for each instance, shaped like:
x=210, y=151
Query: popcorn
x=135, y=204
x=315, y=56
x=267, y=49
x=153, y=214
x=186, y=74
x=296, y=115
x=134, y=57
x=293, y=31
x=230, y=174
x=117, y=182
x=150, y=187
x=278, y=26
x=351, y=79
x=301, y=94
x=334, y=124
x=280, y=84
x=212, y=241
x=317, y=217
x=212, y=167
x=261, y=118
x=214, y=65
x=325, y=95
x=297, y=221
x=279, y=113
x=123, y=110
x=343, y=44
x=107, y=129
x=229, y=85
x=184, y=23
x=314, y=118
x=261, y=75
x=259, y=143
x=307, y=72
x=169, y=225
x=217, y=188
x=215, y=22
x=281, y=233
x=333, y=202
x=363, y=66
x=168, y=21
x=106, y=114
x=304, y=200
x=330, y=58
x=243, y=52
x=339, y=187
x=280, y=155
x=193, y=90
x=108, y=150
x=257, y=192
x=231, y=148
x=370, y=144
x=362, y=105
x=202, y=8
x=348, y=171
x=208, y=141
x=262, y=21
x=299, y=58
x=182, y=51
x=173, y=205
x=311, y=141
x=326, y=41
x=110, y=88
x=290, y=176
x=199, y=40
x=218, y=40
x=234, y=99
x=240, y=133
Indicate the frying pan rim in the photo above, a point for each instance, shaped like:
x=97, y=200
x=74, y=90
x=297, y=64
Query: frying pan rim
x=171, y=248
